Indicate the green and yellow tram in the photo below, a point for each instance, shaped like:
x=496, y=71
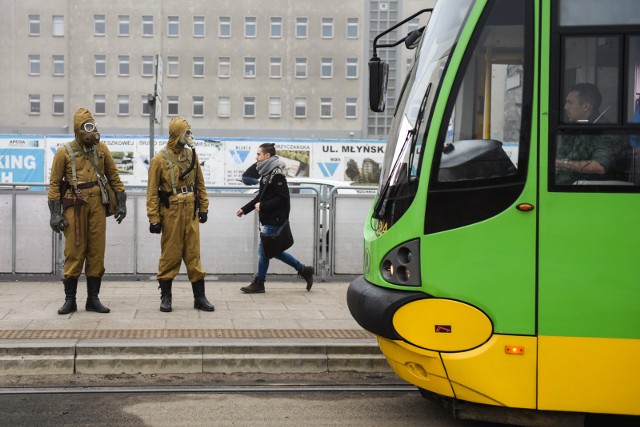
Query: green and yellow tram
x=502, y=255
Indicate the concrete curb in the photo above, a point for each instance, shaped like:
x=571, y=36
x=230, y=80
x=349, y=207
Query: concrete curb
x=175, y=356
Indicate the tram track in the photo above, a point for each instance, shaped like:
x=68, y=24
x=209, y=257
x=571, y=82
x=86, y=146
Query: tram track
x=216, y=389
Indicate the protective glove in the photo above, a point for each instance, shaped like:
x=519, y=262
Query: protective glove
x=203, y=217
x=155, y=228
x=121, y=211
x=57, y=221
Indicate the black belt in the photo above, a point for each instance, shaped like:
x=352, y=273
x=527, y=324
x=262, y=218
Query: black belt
x=84, y=185
x=184, y=189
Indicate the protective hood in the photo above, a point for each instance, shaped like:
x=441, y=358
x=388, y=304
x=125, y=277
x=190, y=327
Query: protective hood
x=81, y=115
x=177, y=126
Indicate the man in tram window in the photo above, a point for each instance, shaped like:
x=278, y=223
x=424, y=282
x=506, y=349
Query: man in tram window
x=585, y=157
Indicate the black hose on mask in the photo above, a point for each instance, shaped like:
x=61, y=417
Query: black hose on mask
x=193, y=163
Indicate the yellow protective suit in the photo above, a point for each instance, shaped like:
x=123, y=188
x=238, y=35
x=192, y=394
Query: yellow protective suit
x=180, y=231
x=87, y=221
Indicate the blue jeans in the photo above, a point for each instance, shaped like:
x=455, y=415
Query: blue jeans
x=263, y=261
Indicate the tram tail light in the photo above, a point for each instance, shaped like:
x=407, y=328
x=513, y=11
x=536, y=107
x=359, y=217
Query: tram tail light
x=514, y=349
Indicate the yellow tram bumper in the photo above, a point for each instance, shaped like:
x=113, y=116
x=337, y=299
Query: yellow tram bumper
x=486, y=375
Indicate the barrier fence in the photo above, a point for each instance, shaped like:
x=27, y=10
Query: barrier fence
x=327, y=233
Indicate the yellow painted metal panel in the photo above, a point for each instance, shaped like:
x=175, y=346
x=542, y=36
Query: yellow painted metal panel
x=442, y=324
x=599, y=375
x=419, y=367
x=489, y=375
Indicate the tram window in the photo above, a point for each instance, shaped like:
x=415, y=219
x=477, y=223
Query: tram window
x=592, y=148
x=596, y=61
x=483, y=135
x=598, y=12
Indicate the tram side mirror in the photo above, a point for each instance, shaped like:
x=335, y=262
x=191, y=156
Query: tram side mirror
x=378, y=75
x=413, y=38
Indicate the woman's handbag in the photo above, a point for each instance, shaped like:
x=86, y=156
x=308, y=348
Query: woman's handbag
x=278, y=242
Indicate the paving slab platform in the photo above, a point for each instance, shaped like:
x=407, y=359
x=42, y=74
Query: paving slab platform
x=285, y=330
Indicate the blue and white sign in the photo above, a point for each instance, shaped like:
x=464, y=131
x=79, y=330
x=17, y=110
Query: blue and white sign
x=22, y=165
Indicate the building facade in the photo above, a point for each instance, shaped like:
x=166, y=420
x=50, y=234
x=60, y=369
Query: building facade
x=283, y=68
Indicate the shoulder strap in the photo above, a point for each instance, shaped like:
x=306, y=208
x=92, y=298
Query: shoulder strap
x=74, y=176
x=171, y=160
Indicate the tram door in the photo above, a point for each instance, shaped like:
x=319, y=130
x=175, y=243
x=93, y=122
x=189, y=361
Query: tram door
x=588, y=323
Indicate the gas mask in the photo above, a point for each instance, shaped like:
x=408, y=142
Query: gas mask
x=88, y=133
x=186, y=139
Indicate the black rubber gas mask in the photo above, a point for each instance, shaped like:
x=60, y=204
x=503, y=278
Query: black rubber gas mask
x=88, y=133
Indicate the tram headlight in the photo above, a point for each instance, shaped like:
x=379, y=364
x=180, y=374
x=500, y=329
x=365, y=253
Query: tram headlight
x=401, y=266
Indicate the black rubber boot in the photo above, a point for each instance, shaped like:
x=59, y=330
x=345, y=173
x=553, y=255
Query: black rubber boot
x=93, y=289
x=255, y=287
x=199, y=299
x=165, y=295
x=70, y=288
x=306, y=273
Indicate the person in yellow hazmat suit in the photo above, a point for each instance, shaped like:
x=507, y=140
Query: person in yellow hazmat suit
x=177, y=204
x=78, y=201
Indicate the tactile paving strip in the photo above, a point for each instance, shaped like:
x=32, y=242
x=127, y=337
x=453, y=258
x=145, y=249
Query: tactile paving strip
x=185, y=333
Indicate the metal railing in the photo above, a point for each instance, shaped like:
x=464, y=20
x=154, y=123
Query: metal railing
x=228, y=243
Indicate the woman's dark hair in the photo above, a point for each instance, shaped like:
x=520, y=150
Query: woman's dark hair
x=268, y=148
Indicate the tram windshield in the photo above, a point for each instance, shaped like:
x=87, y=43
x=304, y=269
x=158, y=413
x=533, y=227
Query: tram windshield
x=400, y=172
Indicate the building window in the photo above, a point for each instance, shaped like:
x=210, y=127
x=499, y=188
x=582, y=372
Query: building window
x=99, y=25
x=34, y=104
x=300, y=108
x=224, y=67
x=34, y=65
x=123, y=105
x=58, y=65
x=326, y=108
x=352, y=68
x=198, y=26
x=250, y=27
x=351, y=108
x=249, y=107
x=198, y=106
x=34, y=25
x=353, y=28
x=275, y=107
x=276, y=27
x=146, y=108
x=58, y=105
x=224, y=29
x=198, y=66
x=302, y=28
x=124, y=26
x=147, y=26
x=58, y=26
x=327, y=28
x=173, y=26
x=100, y=68
x=275, y=68
x=147, y=66
x=173, y=66
x=301, y=68
x=99, y=105
x=172, y=106
x=224, y=106
x=123, y=65
x=326, y=68
x=249, y=67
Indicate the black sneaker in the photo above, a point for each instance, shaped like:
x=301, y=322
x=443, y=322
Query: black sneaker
x=306, y=273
